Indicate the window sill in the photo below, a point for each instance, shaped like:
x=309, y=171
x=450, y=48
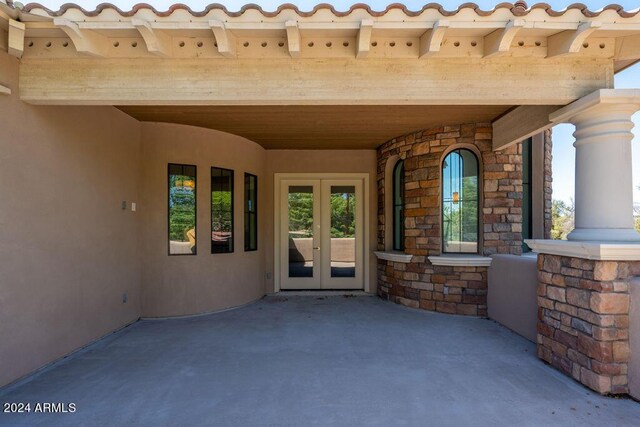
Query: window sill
x=461, y=260
x=394, y=256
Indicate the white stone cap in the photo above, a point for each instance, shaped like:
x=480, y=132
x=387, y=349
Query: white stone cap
x=394, y=256
x=462, y=260
x=600, y=96
x=601, y=251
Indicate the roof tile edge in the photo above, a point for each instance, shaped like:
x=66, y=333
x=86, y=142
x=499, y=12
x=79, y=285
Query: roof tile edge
x=518, y=9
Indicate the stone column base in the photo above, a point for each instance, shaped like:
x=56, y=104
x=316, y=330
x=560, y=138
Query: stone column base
x=583, y=319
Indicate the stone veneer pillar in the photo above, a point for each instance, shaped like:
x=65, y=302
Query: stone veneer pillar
x=583, y=291
x=583, y=312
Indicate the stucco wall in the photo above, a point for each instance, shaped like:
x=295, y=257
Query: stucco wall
x=68, y=252
x=180, y=285
x=512, y=293
x=321, y=161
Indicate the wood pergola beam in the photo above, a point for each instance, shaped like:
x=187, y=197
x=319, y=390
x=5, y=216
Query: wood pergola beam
x=628, y=48
x=521, y=123
x=196, y=81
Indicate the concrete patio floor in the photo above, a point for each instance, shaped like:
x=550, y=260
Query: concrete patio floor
x=313, y=360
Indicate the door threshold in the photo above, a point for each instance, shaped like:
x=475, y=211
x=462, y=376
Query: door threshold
x=323, y=293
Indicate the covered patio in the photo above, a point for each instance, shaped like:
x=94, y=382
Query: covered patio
x=315, y=360
x=159, y=164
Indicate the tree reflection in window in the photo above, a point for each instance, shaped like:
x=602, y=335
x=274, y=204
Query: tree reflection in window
x=182, y=209
x=221, y=210
x=460, y=202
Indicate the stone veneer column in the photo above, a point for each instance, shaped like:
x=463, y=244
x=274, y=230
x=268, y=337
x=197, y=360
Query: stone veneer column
x=583, y=291
x=583, y=327
x=604, y=188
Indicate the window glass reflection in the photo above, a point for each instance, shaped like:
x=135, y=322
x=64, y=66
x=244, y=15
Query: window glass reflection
x=182, y=209
x=300, y=211
x=460, y=202
x=221, y=210
x=343, y=231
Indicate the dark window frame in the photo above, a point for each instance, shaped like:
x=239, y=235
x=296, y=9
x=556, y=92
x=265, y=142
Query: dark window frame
x=248, y=214
x=195, y=207
x=478, y=202
x=233, y=222
x=527, y=193
x=397, y=224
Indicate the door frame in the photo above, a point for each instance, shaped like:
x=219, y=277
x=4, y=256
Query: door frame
x=277, y=217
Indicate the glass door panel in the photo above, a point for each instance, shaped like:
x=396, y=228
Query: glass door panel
x=342, y=225
x=300, y=216
x=343, y=231
x=300, y=234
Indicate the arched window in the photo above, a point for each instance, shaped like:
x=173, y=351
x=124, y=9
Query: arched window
x=460, y=202
x=398, y=206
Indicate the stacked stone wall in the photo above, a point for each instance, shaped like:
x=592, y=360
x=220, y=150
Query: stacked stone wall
x=448, y=289
x=583, y=319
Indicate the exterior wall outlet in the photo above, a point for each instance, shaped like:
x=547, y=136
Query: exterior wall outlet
x=125, y=297
x=268, y=275
x=133, y=206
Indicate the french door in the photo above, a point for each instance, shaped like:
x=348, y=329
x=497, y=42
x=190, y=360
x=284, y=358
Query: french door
x=321, y=234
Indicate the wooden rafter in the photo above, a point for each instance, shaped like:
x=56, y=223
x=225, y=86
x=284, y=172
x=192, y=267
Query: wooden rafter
x=569, y=42
x=499, y=41
x=293, y=38
x=157, y=43
x=224, y=39
x=364, y=38
x=87, y=42
x=431, y=40
x=16, y=38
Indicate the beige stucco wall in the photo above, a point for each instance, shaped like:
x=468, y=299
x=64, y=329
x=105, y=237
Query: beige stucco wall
x=68, y=251
x=512, y=293
x=320, y=161
x=181, y=285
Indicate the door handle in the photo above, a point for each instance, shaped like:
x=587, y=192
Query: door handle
x=317, y=248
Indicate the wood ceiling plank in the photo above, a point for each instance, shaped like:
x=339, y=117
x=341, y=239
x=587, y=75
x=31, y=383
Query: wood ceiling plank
x=317, y=127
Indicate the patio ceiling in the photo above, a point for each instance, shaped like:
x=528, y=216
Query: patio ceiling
x=317, y=126
x=510, y=55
